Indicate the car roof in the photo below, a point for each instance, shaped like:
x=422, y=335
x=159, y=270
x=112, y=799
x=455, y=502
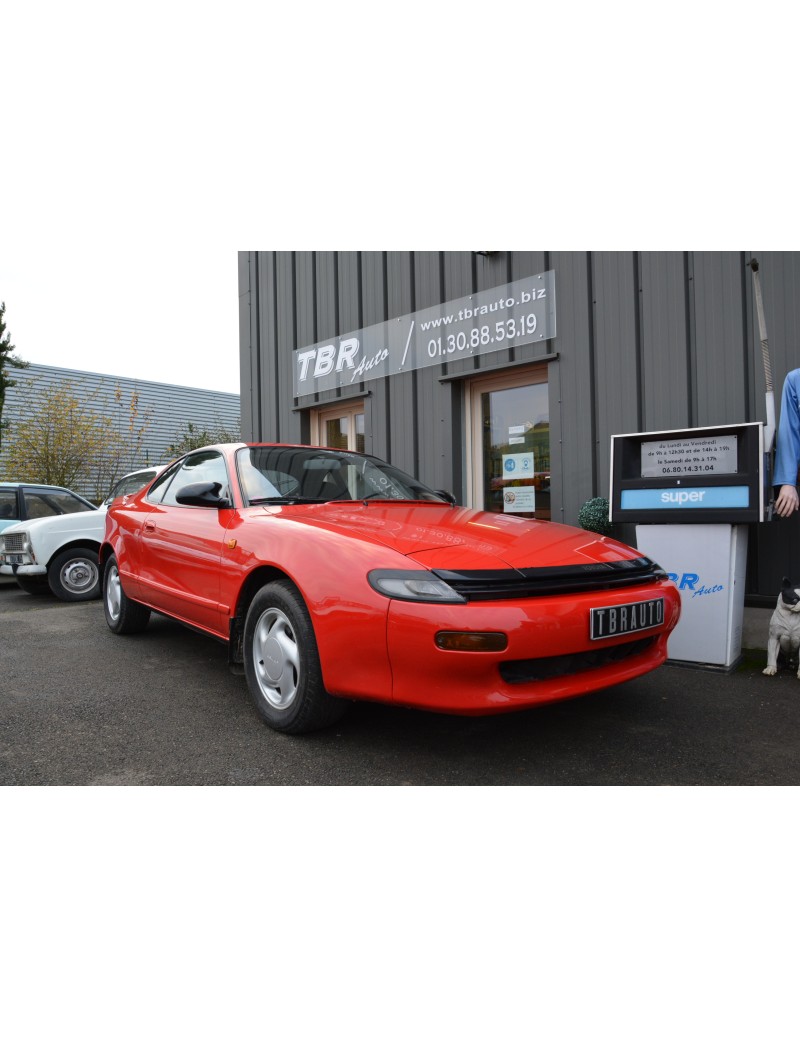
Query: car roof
x=286, y=446
x=37, y=486
x=147, y=468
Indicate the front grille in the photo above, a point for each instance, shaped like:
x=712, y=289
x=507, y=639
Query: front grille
x=14, y=542
x=524, y=670
x=496, y=584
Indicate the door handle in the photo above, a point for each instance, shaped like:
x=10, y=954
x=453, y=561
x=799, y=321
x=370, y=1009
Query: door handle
x=149, y=526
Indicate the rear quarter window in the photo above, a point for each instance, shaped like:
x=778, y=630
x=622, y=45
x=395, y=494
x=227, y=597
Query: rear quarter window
x=9, y=509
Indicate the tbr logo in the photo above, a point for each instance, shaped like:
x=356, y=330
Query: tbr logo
x=689, y=581
x=328, y=358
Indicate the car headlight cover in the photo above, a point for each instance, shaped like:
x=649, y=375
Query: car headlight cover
x=413, y=585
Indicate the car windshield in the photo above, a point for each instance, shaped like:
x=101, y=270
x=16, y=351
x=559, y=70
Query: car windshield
x=286, y=475
x=130, y=484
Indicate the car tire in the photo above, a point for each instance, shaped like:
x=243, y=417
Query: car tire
x=282, y=665
x=74, y=575
x=122, y=615
x=33, y=584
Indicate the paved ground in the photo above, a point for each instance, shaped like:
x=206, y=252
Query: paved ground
x=79, y=706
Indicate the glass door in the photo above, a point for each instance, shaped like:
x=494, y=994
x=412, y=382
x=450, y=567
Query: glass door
x=510, y=444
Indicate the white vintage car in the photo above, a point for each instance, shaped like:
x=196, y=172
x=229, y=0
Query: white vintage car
x=60, y=553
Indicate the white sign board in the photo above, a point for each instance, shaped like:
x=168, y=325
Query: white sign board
x=519, y=498
x=703, y=455
x=514, y=314
x=518, y=466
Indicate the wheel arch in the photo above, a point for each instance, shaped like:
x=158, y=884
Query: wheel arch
x=351, y=634
x=89, y=545
x=254, y=581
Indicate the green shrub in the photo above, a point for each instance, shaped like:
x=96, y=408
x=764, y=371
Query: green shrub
x=593, y=516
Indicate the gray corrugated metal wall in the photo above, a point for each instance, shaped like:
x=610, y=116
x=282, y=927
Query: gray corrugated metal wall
x=171, y=406
x=646, y=341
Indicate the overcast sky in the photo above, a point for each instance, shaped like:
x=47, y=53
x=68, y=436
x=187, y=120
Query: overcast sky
x=141, y=148
x=158, y=314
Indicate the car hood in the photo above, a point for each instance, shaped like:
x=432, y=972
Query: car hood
x=460, y=538
x=76, y=522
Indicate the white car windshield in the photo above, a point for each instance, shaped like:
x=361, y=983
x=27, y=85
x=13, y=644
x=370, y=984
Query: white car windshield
x=130, y=484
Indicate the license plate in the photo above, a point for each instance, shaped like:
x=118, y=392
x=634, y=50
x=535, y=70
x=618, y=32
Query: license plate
x=616, y=620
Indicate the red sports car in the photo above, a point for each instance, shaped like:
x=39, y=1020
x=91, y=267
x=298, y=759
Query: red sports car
x=334, y=576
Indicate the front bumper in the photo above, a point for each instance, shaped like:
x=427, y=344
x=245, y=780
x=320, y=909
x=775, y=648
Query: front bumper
x=30, y=569
x=550, y=653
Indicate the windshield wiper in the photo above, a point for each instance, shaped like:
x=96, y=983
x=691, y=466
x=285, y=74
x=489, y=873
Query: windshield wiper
x=288, y=500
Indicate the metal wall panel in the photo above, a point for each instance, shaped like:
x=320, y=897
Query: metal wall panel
x=489, y=273
x=435, y=446
x=289, y=422
x=617, y=358
x=403, y=400
x=458, y=271
x=327, y=295
x=171, y=408
x=665, y=378
x=644, y=341
x=349, y=292
x=272, y=330
x=458, y=281
x=305, y=302
x=377, y=409
x=574, y=456
x=249, y=354
x=719, y=349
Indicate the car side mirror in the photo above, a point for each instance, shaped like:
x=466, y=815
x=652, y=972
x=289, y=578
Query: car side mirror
x=202, y=495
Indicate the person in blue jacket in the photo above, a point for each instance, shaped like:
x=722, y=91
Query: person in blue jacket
x=787, y=453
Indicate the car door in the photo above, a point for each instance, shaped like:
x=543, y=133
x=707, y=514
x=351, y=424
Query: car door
x=180, y=546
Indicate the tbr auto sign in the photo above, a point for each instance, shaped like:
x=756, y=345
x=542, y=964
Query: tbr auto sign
x=509, y=315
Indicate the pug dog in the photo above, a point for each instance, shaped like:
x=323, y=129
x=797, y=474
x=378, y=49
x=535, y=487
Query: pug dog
x=784, y=628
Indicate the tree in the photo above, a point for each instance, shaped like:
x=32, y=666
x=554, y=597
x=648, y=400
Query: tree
x=194, y=437
x=127, y=431
x=7, y=360
x=72, y=440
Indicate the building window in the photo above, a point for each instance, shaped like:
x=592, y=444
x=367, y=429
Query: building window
x=340, y=427
x=509, y=443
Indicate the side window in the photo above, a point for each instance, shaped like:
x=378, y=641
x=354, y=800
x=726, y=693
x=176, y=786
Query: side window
x=162, y=482
x=208, y=466
x=38, y=506
x=8, y=505
x=66, y=503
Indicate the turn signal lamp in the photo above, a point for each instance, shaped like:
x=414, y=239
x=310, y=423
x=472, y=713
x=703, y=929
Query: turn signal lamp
x=471, y=641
